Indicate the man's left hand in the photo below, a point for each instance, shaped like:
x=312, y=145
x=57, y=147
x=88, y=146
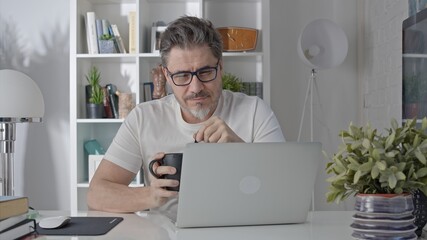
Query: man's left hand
x=215, y=130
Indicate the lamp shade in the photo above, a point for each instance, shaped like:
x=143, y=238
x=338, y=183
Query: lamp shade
x=322, y=44
x=20, y=98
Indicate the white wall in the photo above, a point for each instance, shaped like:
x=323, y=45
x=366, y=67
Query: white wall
x=381, y=61
x=34, y=39
x=337, y=101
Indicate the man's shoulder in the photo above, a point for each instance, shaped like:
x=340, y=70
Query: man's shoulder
x=238, y=97
x=165, y=105
x=165, y=102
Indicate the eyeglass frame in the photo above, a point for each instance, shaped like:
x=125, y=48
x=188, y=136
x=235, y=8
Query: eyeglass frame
x=193, y=74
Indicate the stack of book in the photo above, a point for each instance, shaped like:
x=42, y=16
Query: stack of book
x=253, y=89
x=102, y=37
x=14, y=222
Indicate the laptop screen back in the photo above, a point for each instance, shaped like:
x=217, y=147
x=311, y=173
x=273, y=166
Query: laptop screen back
x=234, y=184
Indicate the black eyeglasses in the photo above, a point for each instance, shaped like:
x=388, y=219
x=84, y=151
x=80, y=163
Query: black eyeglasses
x=184, y=78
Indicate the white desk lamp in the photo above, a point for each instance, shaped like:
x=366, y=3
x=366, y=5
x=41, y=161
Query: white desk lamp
x=21, y=101
x=322, y=44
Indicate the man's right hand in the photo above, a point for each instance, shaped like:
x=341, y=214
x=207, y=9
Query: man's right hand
x=157, y=187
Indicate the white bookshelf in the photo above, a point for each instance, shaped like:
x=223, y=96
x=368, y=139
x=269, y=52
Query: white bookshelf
x=129, y=71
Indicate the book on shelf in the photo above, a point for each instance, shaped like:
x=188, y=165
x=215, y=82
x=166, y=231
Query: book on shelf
x=98, y=23
x=118, y=38
x=259, y=89
x=105, y=27
x=11, y=206
x=148, y=91
x=132, y=31
x=93, y=163
x=91, y=34
x=19, y=230
x=108, y=111
x=114, y=99
x=10, y=221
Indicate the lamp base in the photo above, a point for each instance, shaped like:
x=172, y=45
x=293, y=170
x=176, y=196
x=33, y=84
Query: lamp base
x=7, y=139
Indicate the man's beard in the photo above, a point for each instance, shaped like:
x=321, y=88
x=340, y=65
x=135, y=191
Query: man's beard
x=201, y=112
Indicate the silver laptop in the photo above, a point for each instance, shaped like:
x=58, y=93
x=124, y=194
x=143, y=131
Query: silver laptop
x=235, y=184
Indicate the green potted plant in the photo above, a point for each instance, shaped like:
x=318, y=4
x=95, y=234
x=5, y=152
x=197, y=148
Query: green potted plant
x=369, y=163
x=107, y=44
x=95, y=104
x=232, y=82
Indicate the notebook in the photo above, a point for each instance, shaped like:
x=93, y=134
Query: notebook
x=235, y=184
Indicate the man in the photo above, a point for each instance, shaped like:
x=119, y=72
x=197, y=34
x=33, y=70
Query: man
x=199, y=110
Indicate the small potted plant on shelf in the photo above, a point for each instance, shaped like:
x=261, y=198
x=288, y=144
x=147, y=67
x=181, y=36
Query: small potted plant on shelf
x=107, y=44
x=232, y=82
x=95, y=105
x=383, y=171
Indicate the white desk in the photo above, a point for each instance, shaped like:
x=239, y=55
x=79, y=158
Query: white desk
x=322, y=225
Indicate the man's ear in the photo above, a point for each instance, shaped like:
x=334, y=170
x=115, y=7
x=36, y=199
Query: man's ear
x=164, y=70
x=165, y=73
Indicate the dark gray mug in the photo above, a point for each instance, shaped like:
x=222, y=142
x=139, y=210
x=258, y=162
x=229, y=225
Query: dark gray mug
x=170, y=159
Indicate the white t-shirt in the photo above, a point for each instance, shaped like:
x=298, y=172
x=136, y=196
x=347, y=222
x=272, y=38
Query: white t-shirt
x=158, y=126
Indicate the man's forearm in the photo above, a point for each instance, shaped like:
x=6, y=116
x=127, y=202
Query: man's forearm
x=107, y=196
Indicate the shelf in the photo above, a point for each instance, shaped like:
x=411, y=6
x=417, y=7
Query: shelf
x=82, y=185
x=242, y=54
x=106, y=55
x=110, y=1
x=103, y=120
x=113, y=57
x=414, y=55
x=171, y=1
x=149, y=55
x=418, y=120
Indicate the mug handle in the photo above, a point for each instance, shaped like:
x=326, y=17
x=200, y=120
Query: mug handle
x=150, y=167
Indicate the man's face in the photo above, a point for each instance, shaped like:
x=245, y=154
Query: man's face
x=198, y=100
